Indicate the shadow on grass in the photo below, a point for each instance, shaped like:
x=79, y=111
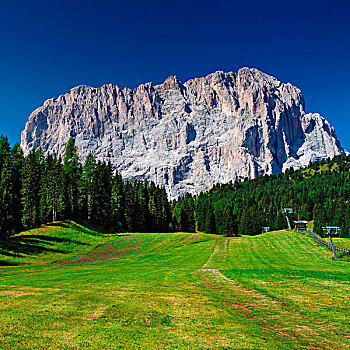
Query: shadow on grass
x=7, y=253
x=14, y=248
x=35, y=244
x=7, y=263
x=46, y=239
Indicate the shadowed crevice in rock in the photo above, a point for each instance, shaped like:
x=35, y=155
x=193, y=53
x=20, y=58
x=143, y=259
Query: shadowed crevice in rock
x=189, y=136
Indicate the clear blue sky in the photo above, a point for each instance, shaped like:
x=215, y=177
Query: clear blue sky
x=47, y=47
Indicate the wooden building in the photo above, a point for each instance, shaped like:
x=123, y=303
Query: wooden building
x=300, y=225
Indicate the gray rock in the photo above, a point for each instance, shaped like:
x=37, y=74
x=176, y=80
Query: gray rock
x=214, y=129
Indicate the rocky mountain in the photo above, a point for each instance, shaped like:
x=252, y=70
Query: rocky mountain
x=189, y=136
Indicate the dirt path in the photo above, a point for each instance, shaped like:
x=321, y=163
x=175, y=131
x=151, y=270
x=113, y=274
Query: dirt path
x=257, y=310
x=218, y=259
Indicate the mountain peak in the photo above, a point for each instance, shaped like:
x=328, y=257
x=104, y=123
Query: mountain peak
x=189, y=136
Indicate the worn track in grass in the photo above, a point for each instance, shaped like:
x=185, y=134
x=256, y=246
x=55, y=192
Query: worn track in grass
x=180, y=291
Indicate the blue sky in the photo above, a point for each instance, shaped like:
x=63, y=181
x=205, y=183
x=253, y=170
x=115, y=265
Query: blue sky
x=48, y=47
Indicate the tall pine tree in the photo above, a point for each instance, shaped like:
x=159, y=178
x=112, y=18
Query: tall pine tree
x=30, y=190
x=72, y=175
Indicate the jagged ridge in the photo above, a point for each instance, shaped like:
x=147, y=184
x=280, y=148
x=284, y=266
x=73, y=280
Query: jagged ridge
x=213, y=129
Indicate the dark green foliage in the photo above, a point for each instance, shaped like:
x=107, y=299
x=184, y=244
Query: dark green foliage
x=183, y=216
x=17, y=160
x=11, y=164
x=251, y=222
x=72, y=175
x=146, y=207
x=5, y=150
x=52, y=190
x=7, y=200
x=320, y=192
x=86, y=188
x=36, y=190
x=117, y=200
x=101, y=215
x=31, y=177
x=209, y=223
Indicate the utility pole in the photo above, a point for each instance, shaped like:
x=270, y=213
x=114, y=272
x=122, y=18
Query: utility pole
x=332, y=230
x=287, y=211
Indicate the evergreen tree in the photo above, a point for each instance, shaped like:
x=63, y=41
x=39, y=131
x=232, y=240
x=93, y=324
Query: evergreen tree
x=5, y=150
x=229, y=224
x=164, y=215
x=86, y=188
x=30, y=190
x=209, y=224
x=340, y=216
x=52, y=203
x=251, y=222
x=72, y=175
x=18, y=163
x=7, y=200
x=130, y=208
x=101, y=215
x=200, y=214
x=346, y=228
x=142, y=213
x=152, y=209
x=117, y=200
x=187, y=221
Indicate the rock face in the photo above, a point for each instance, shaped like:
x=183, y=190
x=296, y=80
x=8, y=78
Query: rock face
x=214, y=129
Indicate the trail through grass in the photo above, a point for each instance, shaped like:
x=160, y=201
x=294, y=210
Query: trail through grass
x=176, y=291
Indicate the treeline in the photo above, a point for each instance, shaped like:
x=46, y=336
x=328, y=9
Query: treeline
x=37, y=189
x=320, y=192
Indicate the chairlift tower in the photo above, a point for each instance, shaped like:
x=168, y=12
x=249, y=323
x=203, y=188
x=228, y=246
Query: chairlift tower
x=331, y=231
x=287, y=211
x=266, y=229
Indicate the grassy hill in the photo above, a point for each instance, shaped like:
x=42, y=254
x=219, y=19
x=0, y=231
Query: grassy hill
x=83, y=290
x=51, y=242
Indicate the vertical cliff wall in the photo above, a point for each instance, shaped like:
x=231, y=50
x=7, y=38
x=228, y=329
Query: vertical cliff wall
x=213, y=129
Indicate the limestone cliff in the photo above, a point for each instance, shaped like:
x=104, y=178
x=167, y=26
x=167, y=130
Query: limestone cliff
x=213, y=129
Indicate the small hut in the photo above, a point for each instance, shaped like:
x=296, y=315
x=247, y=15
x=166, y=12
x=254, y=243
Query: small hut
x=300, y=225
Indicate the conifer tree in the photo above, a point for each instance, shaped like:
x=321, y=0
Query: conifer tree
x=346, y=229
x=200, y=213
x=280, y=222
x=142, y=214
x=152, y=209
x=164, y=221
x=229, y=224
x=72, y=174
x=186, y=214
x=101, y=196
x=340, y=216
x=18, y=163
x=5, y=150
x=209, y=224
x=130, y=208
x=117, y=200
x=86, y=188
x=7, y=200
x=30, y=190
x=52, y=190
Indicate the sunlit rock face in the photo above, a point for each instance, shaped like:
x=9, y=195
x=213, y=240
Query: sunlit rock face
x=189, y=136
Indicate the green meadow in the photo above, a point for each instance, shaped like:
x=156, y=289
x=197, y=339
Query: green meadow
x=64, y=286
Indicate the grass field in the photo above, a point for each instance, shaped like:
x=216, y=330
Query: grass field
x=76, y=289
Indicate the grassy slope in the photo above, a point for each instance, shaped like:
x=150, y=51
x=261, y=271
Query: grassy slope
x=275, y=291
x=55, y=241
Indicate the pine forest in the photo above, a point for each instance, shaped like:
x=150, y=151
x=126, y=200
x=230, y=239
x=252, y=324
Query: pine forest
x=37, y=189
